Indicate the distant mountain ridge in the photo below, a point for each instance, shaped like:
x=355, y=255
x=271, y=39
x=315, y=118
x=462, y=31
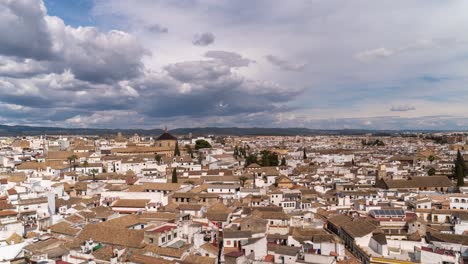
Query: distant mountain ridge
x=6, y=130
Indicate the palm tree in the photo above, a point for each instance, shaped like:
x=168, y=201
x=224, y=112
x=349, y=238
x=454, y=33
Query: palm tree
x=242, y=180
x=189, y=150
x=93, y=172
x=85, y=165
x=72, y=160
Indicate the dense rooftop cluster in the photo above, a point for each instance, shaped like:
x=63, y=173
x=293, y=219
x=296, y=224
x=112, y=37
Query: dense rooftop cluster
x=243, y=199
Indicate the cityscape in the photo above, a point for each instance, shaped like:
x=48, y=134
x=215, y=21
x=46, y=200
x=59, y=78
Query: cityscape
x=233, y=132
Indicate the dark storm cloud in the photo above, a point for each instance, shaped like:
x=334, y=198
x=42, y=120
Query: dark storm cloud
x=210, y=87
x=51, y=73
x=24, y=30
x=203, y=39
x=27, y=32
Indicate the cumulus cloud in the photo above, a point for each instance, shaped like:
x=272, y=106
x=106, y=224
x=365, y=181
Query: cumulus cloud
x=402, y=108
x=231, y=59
x=25, y=31
x=82, y=77
x=45, y=41
x=284, y=64
x=211, y=87
x=51, y=72
x=203, y=39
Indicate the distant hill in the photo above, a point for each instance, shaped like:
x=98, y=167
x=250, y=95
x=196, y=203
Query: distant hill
x=32, y=130
x=220, y=131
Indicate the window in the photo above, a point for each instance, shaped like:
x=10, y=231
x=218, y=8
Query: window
x=163, y=239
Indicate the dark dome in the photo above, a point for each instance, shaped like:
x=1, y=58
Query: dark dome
x=166, y=136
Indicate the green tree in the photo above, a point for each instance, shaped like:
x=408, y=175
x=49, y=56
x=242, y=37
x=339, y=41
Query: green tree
x=283, y=161
x=189, y=150
x=242, y=152
x=242, y=180
x=176, y=150
x=269, y=158
x=200, y=157
x=201, y=143
x=72, y=161
x=85, y=164
x=157, y=158
x=431, y=172
x=251, y=158
x=431, y=158
x=460, y=169
x=304, y=154
x=93, y=173
x=236, y=152
x=174, y=175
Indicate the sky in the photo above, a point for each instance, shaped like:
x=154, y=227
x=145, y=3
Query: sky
x=335, y=64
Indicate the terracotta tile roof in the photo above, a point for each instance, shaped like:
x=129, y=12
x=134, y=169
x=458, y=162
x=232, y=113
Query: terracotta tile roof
x=359, y=228
x=167, y=251
x=190, y=207
x=5, y=205
x=31, y=165
x=163, y=229
x=271, y=215
x=143, y=259
x=132, y=203
x=449, y=238
x=14, y=239
x=155, y=186
x=64, y=228
x=75, y=219
x=284, y=250
x=60, y=155
x=193, y=259
x=159, y=216
x=8, y=213
x=113, y=235
x=416, y=182
x=210, y=248
x=340, y=220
